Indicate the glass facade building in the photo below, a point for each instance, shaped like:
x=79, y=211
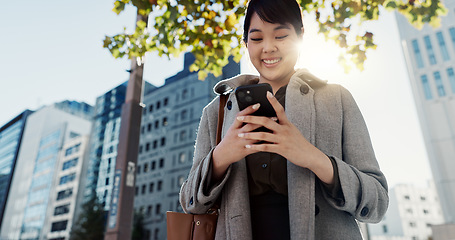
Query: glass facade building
x=10, y=141
x=433, y=85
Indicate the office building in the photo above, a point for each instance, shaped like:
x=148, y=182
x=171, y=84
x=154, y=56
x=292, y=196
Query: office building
x=430, y=59
x=168, y=131
x=10, y=142
x=103, y=143
x=412, y=213
x=47, y=130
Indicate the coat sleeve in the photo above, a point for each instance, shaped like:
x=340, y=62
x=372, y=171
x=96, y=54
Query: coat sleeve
x=198, y=193
x=364, y=192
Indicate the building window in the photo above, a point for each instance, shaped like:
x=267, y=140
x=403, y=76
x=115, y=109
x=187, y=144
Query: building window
x=143, y=189
x=182, y=135
x=151, y=186
x=161, y=162
x=107, y=181
x=136, y=191
x=153, y=165
x=155, y=144
x=183, y=114
x=147, y=147
x=73, y=149
x=182, y=157
x=442, y=46
x=158, y=105
x=59, y=226
x=158, y=208
x=426, y=87
x=138, y=169
x=423, y=198
x=425, y=211
x=165, y=121
x=166, y=101
x=429, y=47
x=384, y=229
x=151, y=108
x=69, y=164
x=67, y=178
x=149, y=210
x=157, y=124
x=439, y=84
x=412, y=224
x=184, y=94
x=181, y=180
x=140, y=149
x=62, y=209
x=417, y=53
x=452, y=35
x=64, y=194
x=451, y=76
x=407, y=197
x=163, y=141
x=149, y=127
x=146, y=167
x=159, y=186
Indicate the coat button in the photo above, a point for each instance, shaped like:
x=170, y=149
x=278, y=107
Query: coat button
x=364, y=211
x=191, y=201
x=229, y=105
x=316, y=210
x=264, y=165
x=304, y=89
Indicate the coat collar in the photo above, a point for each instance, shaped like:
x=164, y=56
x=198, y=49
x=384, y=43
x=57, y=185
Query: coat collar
x=300, y=75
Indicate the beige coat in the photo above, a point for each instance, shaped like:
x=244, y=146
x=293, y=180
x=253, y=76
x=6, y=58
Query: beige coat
x=328, y=117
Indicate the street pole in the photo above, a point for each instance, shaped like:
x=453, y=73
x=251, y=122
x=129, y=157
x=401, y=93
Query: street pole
x=120, y=217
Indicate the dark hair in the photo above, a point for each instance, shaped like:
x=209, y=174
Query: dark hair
x=274, y=11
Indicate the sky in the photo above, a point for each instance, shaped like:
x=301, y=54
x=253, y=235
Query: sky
x=52, y=51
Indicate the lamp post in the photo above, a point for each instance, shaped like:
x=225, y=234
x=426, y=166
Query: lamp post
x=120, y=217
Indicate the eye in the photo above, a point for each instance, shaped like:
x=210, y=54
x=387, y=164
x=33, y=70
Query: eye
x=281, y=37
x=256, y=39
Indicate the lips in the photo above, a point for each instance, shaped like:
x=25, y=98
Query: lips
x=271, y=61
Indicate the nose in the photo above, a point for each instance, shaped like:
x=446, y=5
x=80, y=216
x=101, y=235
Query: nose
x=269, y=46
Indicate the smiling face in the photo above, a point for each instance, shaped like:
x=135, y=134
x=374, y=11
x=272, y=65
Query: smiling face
x=273, y=50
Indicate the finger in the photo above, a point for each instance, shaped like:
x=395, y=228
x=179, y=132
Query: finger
x=249, y=127
x=264, y=147
x=259, y=120
x=280, y=113
x=247, y=111
x=259, y=136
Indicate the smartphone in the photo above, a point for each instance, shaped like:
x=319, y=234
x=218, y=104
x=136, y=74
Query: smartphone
x=257, y=93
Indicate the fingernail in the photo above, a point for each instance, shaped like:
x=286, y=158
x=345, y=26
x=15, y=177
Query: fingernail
x=269, y=94
x=241, y=134
x=240, y=118
x=274, y=118
x=256, y=106
x=247, y=146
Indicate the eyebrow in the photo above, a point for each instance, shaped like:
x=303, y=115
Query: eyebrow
x=275, y=29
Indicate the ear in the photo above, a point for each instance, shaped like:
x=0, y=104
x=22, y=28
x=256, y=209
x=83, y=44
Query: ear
x=303, y=30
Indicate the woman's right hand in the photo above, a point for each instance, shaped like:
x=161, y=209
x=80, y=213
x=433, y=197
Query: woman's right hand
x=232, y=148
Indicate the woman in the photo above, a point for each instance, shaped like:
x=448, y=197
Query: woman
x=313, y=175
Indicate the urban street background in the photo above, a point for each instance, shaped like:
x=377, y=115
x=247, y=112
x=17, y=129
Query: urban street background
x=52, y=51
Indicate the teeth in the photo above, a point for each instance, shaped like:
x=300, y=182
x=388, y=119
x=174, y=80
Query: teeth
x=271, y=61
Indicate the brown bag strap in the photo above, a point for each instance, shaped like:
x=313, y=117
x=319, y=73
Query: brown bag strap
x=223, y=100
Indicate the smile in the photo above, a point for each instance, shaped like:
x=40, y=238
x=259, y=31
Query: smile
x=271, y=61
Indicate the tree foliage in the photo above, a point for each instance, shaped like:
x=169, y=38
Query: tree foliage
x=91, y=221
x=211, y=29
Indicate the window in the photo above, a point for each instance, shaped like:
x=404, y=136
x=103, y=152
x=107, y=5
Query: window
x=138, y=169
x=163, y=141
x=62, y=210
x=182, y=135
x=142, y=129
x=452, y=35
x=153, y=165
x=160, y=186
x=158, y=208
x=59, y=226
x=149, y=127
x=165, y=121
x=426, y=87
x=151, y=108
x=442, y=46
x=149, y=210
x=183, y=114
x=412, y=224
x=158, y=105
x=439, y=84
x=157, y=124
x=136, y=191
x=147, y=147
x=151, y=186
x=423, y=198
x=425, y=211
x=140, y=149
x=107, y=181
x=69, y=164
x=407, y=197
x=155, y=144
x=67, y=178
x=185, y=93
x=65, y=194
x=429, y=47
x=181, y=180
x=146, y=167
x=451, y=76
x=166, y=101
x=73, y=149
x=384, y=229
x=418, y=55
x=161, y=162
x=182, y=157
x=143, y=189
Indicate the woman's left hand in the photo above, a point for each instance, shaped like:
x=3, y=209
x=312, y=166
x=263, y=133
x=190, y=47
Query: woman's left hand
x=286, y=140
